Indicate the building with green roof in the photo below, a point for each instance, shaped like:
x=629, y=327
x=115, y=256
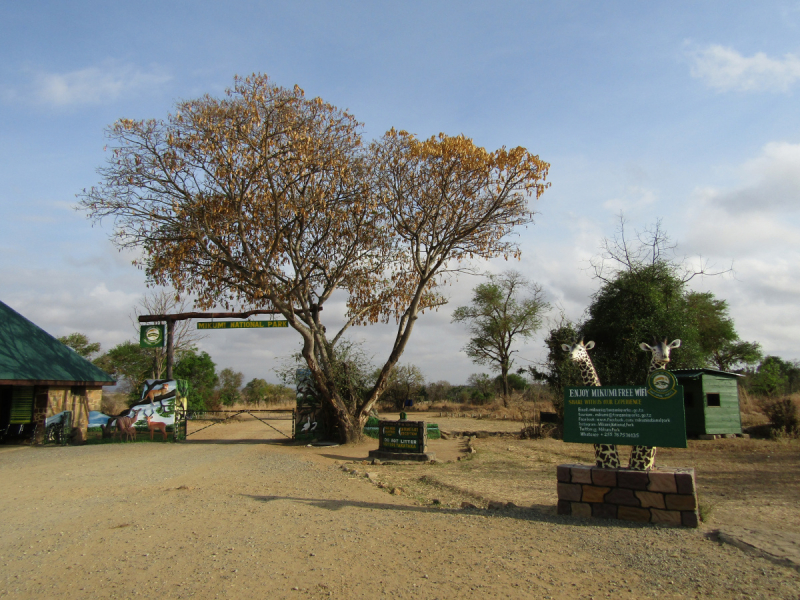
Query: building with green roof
x=41, y=377
x=711, y=401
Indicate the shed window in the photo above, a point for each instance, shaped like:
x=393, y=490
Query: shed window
x=712, y=399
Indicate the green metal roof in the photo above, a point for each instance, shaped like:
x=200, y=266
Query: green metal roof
x=29, y=354
x=698, y=372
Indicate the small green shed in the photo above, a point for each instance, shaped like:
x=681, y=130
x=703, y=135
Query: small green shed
x=711, y=401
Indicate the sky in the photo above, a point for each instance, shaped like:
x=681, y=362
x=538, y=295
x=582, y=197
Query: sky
x=681, y=111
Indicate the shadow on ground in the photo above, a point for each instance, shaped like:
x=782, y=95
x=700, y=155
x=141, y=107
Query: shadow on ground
x=537, y=513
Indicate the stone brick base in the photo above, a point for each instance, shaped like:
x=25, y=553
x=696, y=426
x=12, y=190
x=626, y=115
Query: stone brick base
x=663, y=495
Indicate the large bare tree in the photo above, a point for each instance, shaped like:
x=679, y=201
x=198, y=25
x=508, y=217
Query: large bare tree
x=268, y=199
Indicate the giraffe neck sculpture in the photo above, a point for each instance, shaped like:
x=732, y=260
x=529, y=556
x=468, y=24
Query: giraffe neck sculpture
x=643, y=458
x=605, y=455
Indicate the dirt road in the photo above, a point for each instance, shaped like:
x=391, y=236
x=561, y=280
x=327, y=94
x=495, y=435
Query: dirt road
x=232, y=516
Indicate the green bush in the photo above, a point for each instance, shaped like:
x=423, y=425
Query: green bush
x=783, y=415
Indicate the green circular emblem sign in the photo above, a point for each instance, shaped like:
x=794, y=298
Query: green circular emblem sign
x=662, y=384
x=153, y=334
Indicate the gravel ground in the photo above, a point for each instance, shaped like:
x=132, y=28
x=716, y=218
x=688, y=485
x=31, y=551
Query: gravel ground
x=225, y=515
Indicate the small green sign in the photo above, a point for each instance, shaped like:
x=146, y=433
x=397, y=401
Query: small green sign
x=151, y=336
x=402, y=436
x=240, y=324
x=642, y=416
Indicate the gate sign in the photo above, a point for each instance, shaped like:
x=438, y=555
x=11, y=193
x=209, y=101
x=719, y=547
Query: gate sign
x=240, y=324
x=650, y=415
x=151, y=336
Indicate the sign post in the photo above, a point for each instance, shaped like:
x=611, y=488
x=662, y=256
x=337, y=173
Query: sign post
x=151, y=336
x=650, y=415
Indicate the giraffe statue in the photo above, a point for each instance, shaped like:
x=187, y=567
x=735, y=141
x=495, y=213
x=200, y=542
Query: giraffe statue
x=643, y=458
x=605, y=455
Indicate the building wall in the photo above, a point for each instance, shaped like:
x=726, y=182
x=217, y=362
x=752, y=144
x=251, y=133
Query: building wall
x=725, y=418
x=77, y=399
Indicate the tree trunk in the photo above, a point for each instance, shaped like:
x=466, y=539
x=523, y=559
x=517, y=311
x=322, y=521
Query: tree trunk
x=504, y=377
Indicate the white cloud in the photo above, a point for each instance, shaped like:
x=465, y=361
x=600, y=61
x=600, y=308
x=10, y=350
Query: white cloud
x=724, y=69
x=770, y=183
x=754, y=223
x=93, y=85
x=635, y=197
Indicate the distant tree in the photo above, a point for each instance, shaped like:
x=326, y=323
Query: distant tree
x=230, y=386
x=516, y=382
x=405, y=381
x=130, y=365
x=718, y=339
x=482, y=383
x=200, y=371
x=255, y=391
x=81, y=344
x=438, y=390
x=279, y=394
x=775, y=377
x=736, y=354
x=558, y=371
x=506, y=309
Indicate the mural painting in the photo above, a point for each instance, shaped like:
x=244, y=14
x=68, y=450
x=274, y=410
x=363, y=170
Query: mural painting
x=153, y=418
x=311, y=422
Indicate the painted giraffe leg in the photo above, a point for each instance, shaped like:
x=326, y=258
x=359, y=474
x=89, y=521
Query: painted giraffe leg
x=606, y=456
x=643, y=458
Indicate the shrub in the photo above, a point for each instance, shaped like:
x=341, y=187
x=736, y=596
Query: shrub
x=783, y=415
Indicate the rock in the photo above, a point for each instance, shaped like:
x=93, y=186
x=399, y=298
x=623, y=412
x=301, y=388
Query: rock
x=397, y=491
x=468, y=505
x=376, y=461
x=510, y=505
x=373, y=477
x=436, y=501
x=495, y=505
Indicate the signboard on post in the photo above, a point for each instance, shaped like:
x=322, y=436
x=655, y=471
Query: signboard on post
x=402, y=436
x=650, y=415
x=151, y=336
x=241, y=324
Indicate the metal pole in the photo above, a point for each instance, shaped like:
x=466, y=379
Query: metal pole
x=170, y=346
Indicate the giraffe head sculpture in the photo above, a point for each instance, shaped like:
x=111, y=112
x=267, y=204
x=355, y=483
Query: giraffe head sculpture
x=660, y=352
x=578, y=353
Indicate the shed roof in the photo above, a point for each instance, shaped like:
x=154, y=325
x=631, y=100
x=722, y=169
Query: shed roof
x=696, y=373
x=29, y=355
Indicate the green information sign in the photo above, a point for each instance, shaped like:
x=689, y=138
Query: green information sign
x=151, y=336
x=650, y=415
x=240, y=324
x=402, y=436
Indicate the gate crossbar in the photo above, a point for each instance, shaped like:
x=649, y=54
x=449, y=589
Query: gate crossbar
x=236, y=413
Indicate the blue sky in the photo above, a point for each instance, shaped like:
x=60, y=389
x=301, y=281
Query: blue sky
x=681, y=111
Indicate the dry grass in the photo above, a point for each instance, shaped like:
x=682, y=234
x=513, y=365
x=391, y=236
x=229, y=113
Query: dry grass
x=746, y=482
